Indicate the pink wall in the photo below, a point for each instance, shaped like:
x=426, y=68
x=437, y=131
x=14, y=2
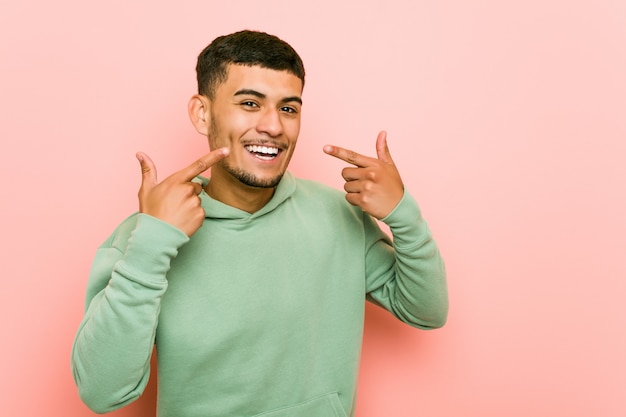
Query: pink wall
x=507, y=120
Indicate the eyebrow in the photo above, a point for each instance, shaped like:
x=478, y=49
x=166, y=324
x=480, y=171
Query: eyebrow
x=250, y=92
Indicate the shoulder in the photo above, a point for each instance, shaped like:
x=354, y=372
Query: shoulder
x=315, y=193
x=120, y=235
x=308, y=187
x=325, y=200
x=145, y=229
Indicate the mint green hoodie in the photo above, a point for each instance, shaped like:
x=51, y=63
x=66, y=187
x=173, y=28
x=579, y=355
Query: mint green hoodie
x=256, y=314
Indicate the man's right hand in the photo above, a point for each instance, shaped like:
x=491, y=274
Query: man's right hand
x=175, y=199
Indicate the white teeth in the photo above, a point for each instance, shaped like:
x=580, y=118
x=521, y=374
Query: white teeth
x=262, y=149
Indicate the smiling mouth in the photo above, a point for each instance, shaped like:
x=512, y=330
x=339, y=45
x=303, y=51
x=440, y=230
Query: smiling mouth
x=266, y=153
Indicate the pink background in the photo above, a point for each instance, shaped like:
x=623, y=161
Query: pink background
x=507, y=120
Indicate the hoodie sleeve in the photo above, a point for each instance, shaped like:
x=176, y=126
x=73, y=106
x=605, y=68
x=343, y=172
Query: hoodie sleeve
x=114, y=342
x=407, y=277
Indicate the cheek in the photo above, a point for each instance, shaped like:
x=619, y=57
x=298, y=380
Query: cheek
x=292, y=148
x=239, y=121
x=230, y=122
x=292, y=130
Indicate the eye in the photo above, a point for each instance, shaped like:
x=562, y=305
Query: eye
x=288, y=109
x=249, y=103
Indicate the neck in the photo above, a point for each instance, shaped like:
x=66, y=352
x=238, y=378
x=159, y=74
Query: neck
x=235, y=194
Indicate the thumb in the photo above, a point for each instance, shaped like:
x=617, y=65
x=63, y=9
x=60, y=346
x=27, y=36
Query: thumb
x=382, y=150
x=148, y=171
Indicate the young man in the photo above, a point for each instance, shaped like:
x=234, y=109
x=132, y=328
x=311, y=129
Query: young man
x=252, y=283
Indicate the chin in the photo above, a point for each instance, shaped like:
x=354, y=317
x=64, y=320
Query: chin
x=252, y=180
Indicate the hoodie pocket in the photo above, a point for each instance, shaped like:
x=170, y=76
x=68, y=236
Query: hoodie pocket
x=325, y=406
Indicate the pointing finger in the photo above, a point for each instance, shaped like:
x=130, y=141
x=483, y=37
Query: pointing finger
x=202, y=164
x=348, y=156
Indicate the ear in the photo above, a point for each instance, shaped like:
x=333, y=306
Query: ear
x=199, y=113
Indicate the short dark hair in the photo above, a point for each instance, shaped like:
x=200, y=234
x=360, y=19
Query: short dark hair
x=246, y=47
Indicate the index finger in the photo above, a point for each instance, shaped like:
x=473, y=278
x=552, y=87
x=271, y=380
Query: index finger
x=348, y=156
x=202, y=164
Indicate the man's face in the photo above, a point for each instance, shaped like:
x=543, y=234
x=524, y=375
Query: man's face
x=256, y=112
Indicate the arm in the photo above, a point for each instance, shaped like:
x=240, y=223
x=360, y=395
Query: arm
x=408, y=278
x=113, y=345
x=112, y=349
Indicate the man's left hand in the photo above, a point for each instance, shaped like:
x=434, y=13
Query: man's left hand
x=374, y=184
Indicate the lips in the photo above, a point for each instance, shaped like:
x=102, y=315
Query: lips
x=266, y=153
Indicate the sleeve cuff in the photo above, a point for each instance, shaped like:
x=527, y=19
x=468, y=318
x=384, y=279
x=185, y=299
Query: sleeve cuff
x=152, y=245
x=406, y=222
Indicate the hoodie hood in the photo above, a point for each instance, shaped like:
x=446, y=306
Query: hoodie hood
x=217, y=210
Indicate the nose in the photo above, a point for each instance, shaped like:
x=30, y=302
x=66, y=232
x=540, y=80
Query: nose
x=270, y=122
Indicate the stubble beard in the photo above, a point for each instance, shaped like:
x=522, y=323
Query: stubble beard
x=239, y=174
x=250, y=179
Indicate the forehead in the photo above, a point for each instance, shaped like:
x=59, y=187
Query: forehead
x=264, y=80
